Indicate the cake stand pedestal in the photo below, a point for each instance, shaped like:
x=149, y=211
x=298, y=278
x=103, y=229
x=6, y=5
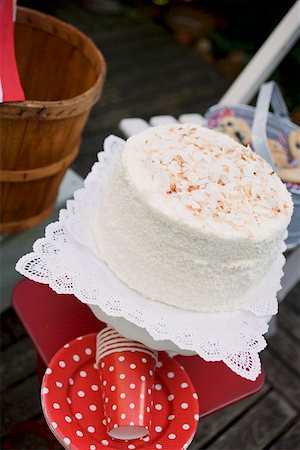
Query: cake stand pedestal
x=52, y=320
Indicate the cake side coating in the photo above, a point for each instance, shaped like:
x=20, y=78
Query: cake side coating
x=155, y=241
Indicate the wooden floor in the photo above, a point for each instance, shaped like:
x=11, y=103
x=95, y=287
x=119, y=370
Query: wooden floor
x=150, y=74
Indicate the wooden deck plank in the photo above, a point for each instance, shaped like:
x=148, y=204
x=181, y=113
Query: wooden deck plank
x=290, y=440
x=263, y=422
x=188, y=61
x=5, y=339
x=166, y=102
x=129, y=91
x=289, y=320
x=293, y=299
x=19, y=403
x=148, y=36
x=211, y=426
x=279, y=376
x=84, y=19
x=17, y=362
x=170, y=82
x=180, y=71
x=286, y=349
x=90, y=146
x=33, y=441
x=151, y=57
x=11, y=323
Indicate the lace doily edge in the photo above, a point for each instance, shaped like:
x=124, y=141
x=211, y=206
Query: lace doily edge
x=226, y=359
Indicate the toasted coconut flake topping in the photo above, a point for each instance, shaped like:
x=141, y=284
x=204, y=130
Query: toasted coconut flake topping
x=214, y=177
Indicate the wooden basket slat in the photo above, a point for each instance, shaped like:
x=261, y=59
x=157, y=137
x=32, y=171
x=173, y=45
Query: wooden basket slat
x=22, y=176
x=63, y=72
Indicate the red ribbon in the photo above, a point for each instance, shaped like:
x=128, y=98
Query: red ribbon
x=10, y=87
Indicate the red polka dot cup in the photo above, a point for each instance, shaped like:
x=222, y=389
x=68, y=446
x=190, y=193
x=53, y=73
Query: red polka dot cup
x=127, y=375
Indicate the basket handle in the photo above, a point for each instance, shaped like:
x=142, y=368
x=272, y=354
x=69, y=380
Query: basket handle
x=269, y=94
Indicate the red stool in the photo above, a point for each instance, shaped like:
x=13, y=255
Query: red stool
x=52, y=320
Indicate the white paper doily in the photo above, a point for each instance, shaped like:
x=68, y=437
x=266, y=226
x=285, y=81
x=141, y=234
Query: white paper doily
x=66, y=260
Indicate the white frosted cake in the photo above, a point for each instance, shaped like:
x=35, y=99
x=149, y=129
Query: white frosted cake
x=191, y=218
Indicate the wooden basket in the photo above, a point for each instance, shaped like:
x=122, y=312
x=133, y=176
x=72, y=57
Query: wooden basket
x=62, y=73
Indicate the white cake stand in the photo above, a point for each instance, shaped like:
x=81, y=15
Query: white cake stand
x=132, y=331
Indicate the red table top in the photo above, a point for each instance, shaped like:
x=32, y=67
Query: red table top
x=52, y=320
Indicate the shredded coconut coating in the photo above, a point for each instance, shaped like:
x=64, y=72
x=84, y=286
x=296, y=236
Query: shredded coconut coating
x=191, y=218
x=198, y=173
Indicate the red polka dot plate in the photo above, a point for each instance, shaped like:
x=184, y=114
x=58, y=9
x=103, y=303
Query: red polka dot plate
x=72, y=404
